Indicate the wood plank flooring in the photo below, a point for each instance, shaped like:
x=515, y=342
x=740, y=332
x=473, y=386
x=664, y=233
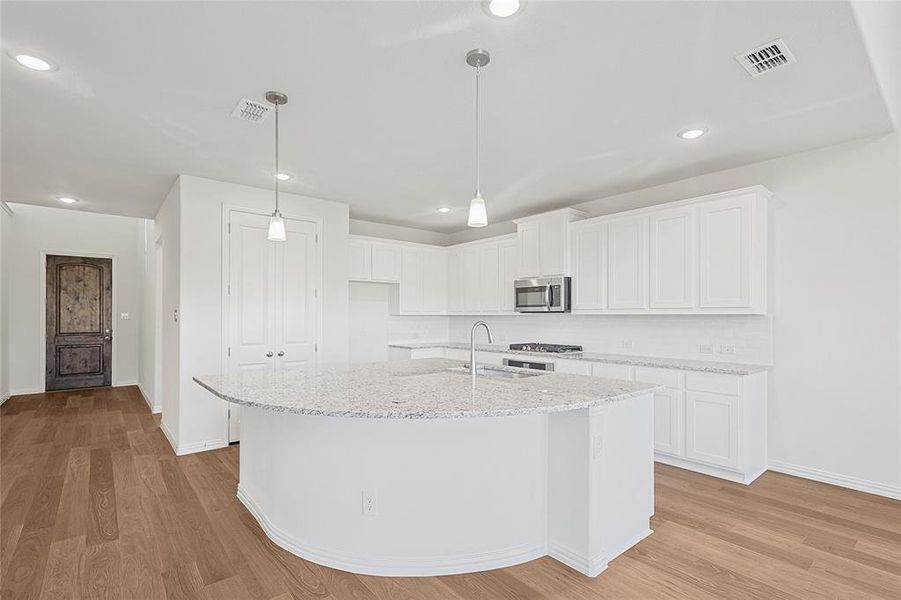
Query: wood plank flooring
x=96, y=505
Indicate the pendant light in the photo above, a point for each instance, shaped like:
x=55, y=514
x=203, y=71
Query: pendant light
x=276, y=222
x=478, y=215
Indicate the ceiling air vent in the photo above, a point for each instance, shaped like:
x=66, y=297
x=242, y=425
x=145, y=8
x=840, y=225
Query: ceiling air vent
x=251, y=110
x=764, y=59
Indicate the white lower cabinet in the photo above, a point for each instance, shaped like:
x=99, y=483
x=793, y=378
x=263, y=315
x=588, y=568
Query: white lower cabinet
x=712, y=432
x=668, y=422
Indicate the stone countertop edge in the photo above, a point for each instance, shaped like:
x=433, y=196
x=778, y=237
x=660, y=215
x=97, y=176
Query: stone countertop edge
x=679, y=364
x=431, y=414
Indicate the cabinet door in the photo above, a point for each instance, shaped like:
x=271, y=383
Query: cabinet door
x=712, y=428
x=528, y=239
x=552, y=248
x=471, y=280
x=411, y=281
x=489, y=279
x=673, y=258
x=507, y=252
x=613, y=371
x=589, y=266
x=725, y=252
x=575, y=367
x=627, y=283
x=455, y=282
x=434, y=281
x=360, y=260
x=386, y=262
x=668, y=424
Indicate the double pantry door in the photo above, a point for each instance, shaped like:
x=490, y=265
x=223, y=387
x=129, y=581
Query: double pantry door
x=273, y=319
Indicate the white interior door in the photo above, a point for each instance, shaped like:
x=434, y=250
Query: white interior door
x=297, y=319
x=272, y=305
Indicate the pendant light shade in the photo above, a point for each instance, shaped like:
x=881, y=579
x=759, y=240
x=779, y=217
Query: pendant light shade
x=276, y=228
x=478, y=216
x=277, y=231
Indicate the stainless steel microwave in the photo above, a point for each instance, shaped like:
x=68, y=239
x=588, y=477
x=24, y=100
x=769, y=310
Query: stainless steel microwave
x=545, y=294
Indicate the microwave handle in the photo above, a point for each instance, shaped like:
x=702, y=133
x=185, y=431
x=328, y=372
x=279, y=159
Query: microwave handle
x=548, y=296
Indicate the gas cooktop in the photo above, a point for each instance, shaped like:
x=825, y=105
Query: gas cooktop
x=538, y=347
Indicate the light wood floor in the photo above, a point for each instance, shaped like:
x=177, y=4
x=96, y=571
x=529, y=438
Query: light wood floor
x=96, y=505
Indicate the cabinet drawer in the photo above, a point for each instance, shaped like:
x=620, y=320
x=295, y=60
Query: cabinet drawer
x=715, y=383
x=575, y=367
x=667, y=377
x=612, y=371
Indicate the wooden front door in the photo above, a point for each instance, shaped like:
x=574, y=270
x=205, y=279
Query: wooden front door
x=79, y=322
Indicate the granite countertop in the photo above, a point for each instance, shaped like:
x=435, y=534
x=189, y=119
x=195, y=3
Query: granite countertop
x=415, y=389
x=620, y=359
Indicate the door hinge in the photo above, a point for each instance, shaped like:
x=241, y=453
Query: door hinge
x=229, y=292
x=317, y=238
x=229, y=351
x=315, y=292
x=229, y=227
x=315, y=347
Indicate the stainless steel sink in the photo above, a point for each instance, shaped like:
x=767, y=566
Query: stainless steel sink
x=495, y=373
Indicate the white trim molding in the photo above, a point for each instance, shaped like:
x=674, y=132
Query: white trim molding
x=392, y=567
x=154, y=409
x=854, y=483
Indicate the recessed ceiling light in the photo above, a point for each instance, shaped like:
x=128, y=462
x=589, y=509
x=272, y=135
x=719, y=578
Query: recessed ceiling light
x=283, y=176
x=444, y=210
x=503, y=8
x=66, y=199
x=691, y=134
x=31, y=61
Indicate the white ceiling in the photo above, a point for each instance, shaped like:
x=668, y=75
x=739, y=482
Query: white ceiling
x=581, y=99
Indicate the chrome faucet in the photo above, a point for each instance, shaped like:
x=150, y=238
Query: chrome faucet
x=472, y=347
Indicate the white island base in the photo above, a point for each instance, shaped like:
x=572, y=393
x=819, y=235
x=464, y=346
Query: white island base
x=452, y=495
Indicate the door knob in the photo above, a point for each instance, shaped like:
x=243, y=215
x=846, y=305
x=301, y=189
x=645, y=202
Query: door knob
x=281, y=352
x=269, y=355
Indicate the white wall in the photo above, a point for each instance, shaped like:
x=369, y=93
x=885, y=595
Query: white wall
x=396, y=232
x=372, y=326
x=34, y=229
x=202, y=418
x=168, y=230
x=4, y=318
x=147, y=326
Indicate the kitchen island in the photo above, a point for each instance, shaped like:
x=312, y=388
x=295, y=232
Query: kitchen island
x=406, y=468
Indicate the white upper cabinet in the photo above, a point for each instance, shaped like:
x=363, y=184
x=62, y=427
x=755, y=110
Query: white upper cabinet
x=589, y=266
x=386, y=262
x=360, y=260
x=490, y=279
x=471, y=280
x=673, y=258
x=455, y=302
x=423, y=281
x=529, y=245
x=729, y=265
x=507, y=250
x=543, y=242
x=702, y=255
x=374, y=261
x=627, y=257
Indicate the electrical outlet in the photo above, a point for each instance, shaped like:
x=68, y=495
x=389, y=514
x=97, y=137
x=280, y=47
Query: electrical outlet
x=124, y=316
x=370, y=503
x=727, y=349
x=626, y=344
x=705, y=348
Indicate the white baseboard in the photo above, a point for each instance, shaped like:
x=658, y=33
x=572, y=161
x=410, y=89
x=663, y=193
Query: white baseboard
x=4, y=398
x=709, y=470
x=169, y=436
x=854, y=483
x=594, y=565
x=392, y=566
x=26, y=391
x=154, y=409
x=125, y=383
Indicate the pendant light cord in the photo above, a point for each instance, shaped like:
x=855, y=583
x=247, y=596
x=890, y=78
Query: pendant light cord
x=478, y=134
x=276, y=159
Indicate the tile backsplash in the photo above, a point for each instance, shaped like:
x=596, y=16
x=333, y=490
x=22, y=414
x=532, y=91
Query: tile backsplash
x=748, y=337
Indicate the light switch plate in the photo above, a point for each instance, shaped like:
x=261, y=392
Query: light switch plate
x=705, y=348
x=124, y=316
